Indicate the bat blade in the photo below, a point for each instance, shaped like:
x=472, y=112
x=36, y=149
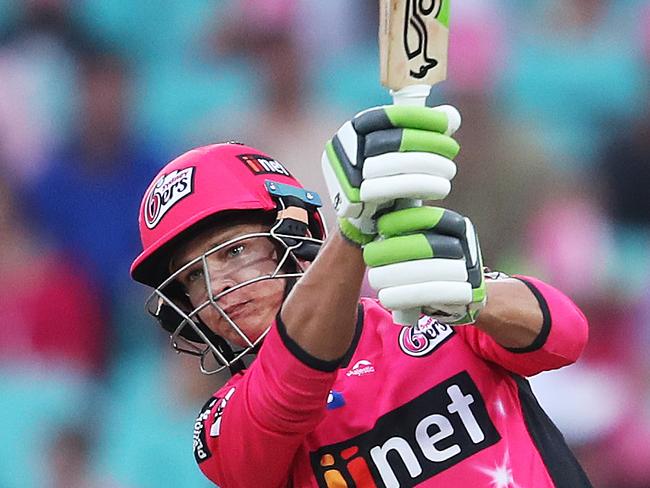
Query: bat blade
x=413, y=42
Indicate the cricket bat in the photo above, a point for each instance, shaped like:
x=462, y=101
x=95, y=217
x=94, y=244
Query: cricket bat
x=413, y=42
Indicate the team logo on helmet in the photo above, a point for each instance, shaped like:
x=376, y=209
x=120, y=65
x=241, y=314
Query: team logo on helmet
x=170, y=189
x=259, y=164
x=423, y=338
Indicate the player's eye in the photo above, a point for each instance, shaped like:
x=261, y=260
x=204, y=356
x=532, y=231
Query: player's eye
x=236, y=250
x=194, y=275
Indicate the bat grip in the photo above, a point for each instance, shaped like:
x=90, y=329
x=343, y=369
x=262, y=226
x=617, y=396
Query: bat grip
x=409, y=95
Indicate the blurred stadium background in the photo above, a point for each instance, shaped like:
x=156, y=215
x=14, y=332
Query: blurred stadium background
x=96, y=95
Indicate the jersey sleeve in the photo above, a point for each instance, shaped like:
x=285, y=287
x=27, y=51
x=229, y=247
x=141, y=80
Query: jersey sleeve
x=560, y=342
x=250, y=430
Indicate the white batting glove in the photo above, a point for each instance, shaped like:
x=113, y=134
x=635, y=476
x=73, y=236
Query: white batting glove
x=388, y=153
x=429, y=259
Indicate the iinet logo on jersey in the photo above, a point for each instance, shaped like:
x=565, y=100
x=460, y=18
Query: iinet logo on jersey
x=360, y=368
x=412, y=443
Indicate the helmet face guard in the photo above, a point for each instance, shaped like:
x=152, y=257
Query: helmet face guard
x=192, y=192
x=170, y=305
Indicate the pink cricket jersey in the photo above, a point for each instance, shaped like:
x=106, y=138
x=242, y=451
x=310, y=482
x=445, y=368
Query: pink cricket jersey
x=422, y=406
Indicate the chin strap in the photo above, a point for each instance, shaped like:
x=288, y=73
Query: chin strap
x=224, y=348
x=295, y=206
x=290, y=222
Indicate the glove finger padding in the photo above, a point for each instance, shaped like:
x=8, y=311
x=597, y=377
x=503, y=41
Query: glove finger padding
x=432, y=295
x=411, y=220
x=429, y=259
x=418, y=271
x=417, y=175
x=421, y=163
x=409, y=140
x=414, y=186
x=444, y=119
x=423, y=245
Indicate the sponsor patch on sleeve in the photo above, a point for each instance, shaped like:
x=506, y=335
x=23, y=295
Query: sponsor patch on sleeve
x=200, y=447
x=215, y=430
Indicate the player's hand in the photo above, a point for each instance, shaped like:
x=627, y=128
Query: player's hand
x=429, y=258
x=386, y=153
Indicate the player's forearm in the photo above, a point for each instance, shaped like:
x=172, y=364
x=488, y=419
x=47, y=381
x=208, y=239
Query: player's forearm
x=320, y=313
x=512, y=316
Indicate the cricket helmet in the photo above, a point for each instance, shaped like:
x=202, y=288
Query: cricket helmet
x=200, y=187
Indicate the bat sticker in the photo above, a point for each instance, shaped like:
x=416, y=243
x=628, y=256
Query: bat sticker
x=416, y=37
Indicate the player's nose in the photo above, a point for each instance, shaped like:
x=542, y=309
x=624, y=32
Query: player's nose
x=219, y=282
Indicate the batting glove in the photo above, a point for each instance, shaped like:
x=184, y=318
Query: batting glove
x=386, y=153
x=429, y=259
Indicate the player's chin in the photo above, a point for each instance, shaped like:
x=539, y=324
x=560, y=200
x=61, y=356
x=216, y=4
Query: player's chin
x=251, y=320
x=251, y=331
x=251, y=325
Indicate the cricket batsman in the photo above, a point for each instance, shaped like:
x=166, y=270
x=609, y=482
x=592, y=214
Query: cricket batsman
x=327, y=390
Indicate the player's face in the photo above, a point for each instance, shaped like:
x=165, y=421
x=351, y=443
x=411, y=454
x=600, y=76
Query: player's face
x=252, y=307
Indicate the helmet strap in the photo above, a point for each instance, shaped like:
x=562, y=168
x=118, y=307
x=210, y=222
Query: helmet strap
x=293, y=219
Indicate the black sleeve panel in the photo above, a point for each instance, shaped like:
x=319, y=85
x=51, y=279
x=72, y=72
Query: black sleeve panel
x=540, y=340
x=563, y=467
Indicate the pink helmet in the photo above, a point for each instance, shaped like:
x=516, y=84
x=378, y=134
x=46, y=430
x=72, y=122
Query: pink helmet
x=204, y=182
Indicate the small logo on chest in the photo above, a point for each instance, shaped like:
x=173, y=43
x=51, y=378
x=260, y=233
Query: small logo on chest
x=423, y=338
x=361, y=368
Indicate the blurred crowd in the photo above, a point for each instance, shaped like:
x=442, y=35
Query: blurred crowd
x=96, y=96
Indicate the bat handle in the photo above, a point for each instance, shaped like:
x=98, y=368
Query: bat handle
x=409, y=95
